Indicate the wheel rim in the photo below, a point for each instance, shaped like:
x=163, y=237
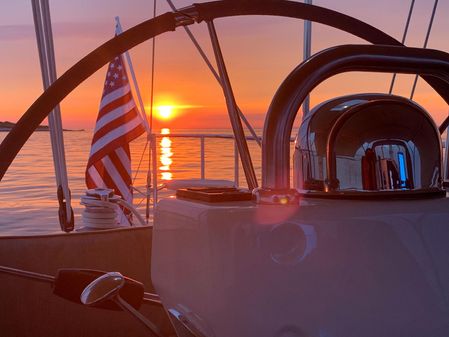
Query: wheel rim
x=88, y=65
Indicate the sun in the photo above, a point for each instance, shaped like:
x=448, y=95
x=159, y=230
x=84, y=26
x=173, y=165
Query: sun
x=165, y=111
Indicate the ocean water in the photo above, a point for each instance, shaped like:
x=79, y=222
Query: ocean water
x=28, y=203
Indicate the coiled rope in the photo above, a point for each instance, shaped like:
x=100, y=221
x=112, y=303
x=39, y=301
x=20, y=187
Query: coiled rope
x=104, y=210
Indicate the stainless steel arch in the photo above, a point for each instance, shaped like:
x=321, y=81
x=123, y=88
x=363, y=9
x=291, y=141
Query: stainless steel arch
x=331, y=183
x=292, y=92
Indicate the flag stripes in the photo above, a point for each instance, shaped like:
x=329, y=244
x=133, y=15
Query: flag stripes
x=114, y=114
x=118, y=123
x=114, y=96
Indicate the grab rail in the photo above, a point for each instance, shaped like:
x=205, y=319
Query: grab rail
x=292, y=92
x=203, y=137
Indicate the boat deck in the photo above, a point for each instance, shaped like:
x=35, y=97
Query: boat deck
x=49, y=315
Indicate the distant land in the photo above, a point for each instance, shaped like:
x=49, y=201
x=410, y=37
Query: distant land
x=7, y=126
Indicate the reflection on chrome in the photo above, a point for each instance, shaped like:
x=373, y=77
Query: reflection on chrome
x=165, y=155
x=374, y=143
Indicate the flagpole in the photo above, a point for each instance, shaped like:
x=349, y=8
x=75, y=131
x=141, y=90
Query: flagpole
x=118, y=31
x=148, y=127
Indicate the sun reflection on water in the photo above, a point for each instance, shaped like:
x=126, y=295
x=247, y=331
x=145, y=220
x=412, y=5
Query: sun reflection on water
x=165, y=155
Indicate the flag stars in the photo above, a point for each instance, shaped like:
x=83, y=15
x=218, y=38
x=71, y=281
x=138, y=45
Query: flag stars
x=116, y=76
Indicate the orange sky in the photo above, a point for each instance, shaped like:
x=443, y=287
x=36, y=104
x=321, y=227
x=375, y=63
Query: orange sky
x=259, y=52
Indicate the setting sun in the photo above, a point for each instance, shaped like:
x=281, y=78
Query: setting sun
x=165, y=111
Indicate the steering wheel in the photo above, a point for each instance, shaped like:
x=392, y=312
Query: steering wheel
x=207, y=12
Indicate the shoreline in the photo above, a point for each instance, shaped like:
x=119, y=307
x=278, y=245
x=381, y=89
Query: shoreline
x=8, y=126
x=43, y=130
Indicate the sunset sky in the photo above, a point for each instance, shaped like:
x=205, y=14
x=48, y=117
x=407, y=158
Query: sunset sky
x=259, y=51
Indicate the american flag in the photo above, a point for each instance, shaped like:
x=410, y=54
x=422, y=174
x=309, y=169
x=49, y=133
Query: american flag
x=118, y=123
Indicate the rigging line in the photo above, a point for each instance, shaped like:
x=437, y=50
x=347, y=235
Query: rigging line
x=57, y=111
x=404, y=36
x=44, y=37
x=236, y=124
x=38, y=25
x=118, y=30
x=429, y=29
x=140, y=162
x=215, y=74
x=151, y=172
x=140, y=202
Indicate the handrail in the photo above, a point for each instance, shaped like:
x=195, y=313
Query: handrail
x=148, y=298
x=203, y=137
x=292, y=92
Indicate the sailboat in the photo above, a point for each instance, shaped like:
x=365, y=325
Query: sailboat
x=356, y=245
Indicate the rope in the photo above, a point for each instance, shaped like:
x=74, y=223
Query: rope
x=130, y=207
x=99, y=214
x=102, y=209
